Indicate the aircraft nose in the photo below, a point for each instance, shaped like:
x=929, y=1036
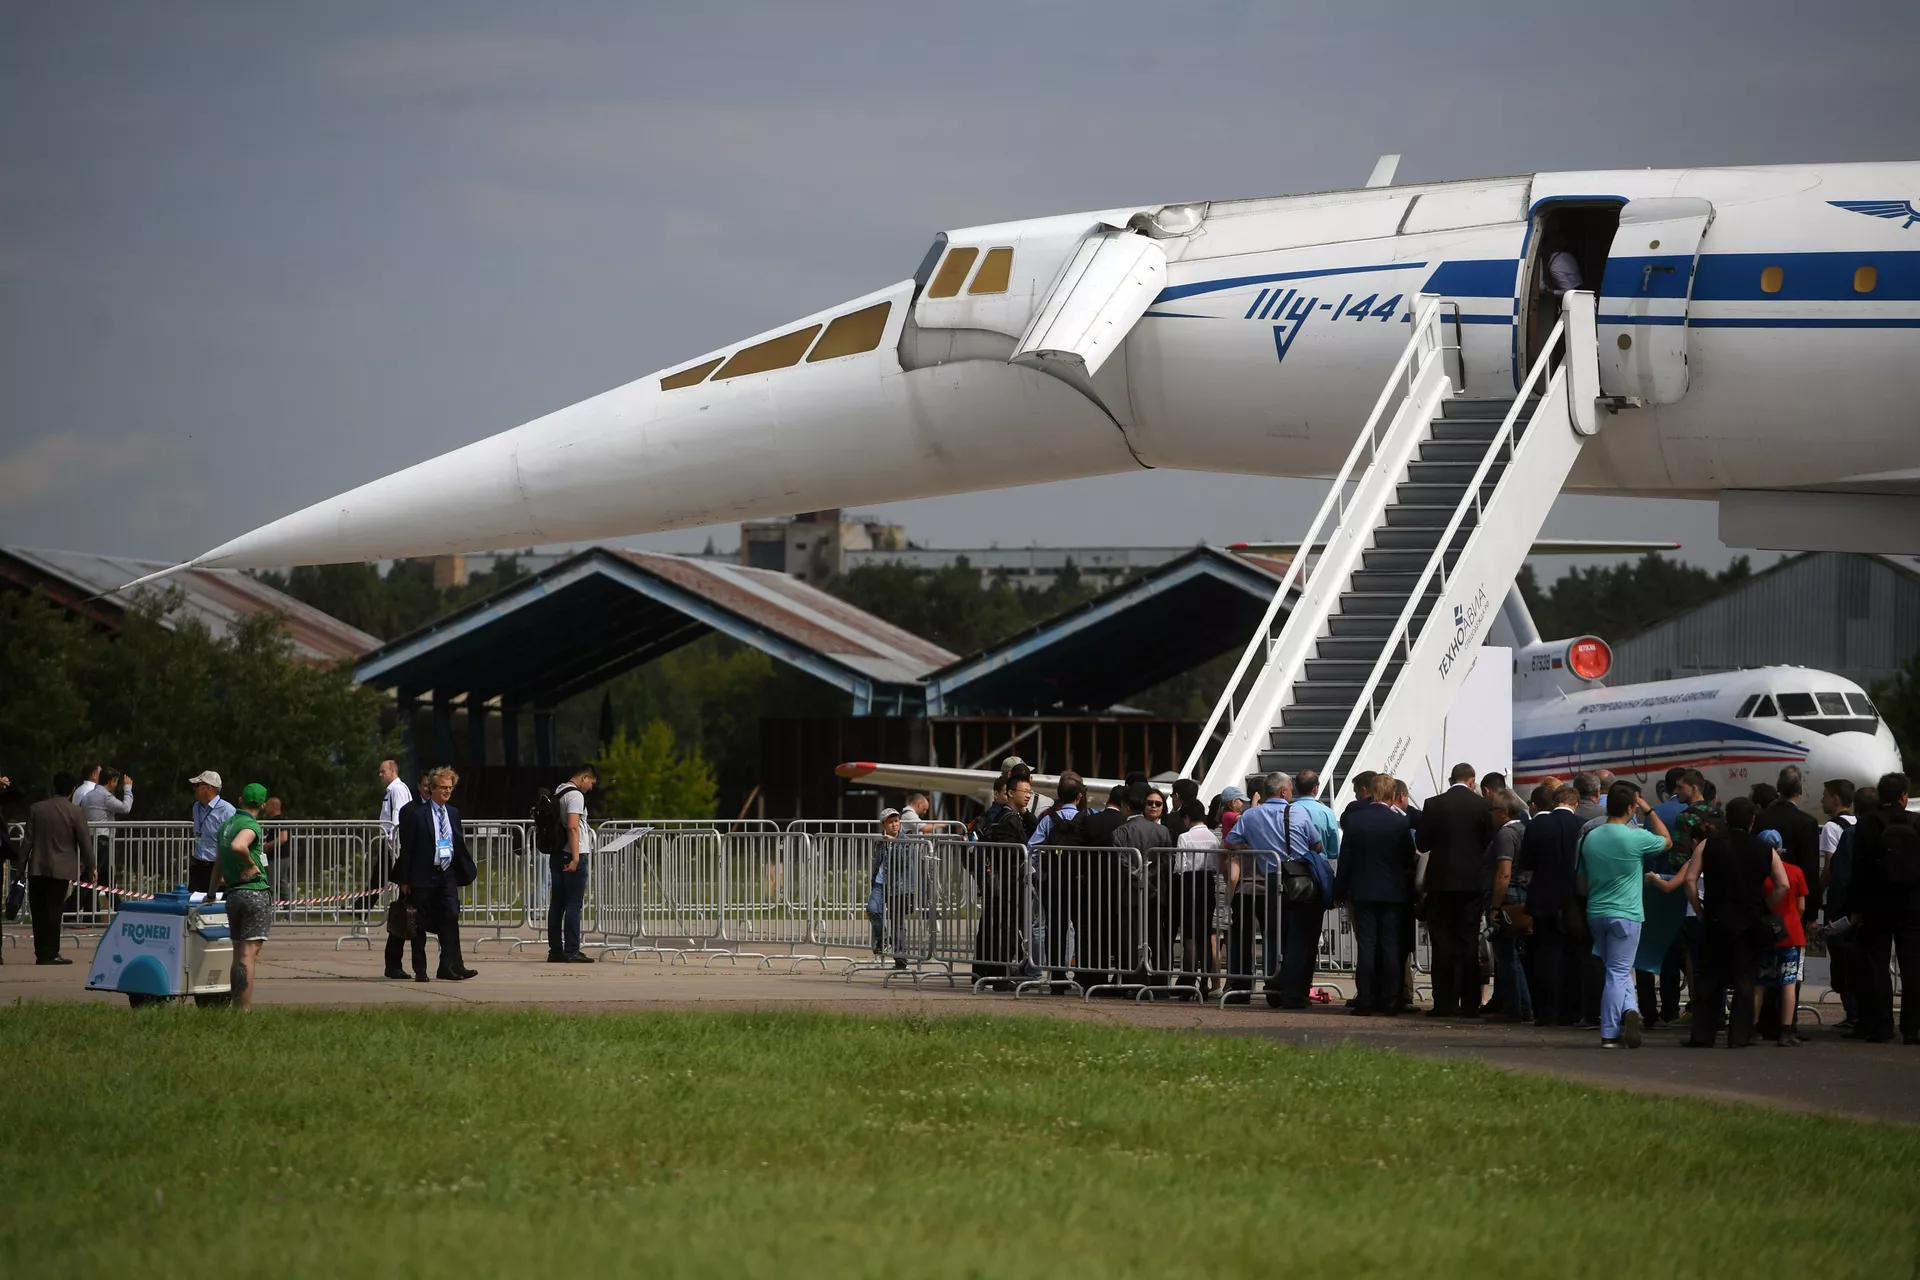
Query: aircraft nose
x=1861, y=758
x=820, y=413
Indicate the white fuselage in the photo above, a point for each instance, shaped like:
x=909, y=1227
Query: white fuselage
x=1737, y=728
x=1788, y=300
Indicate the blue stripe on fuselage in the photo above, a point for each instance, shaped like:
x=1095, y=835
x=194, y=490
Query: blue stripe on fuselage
x=1664, y=736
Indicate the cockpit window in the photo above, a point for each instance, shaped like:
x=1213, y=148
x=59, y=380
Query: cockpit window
x=1862, y=705
x=953, y=272
x=1746, y=708
x=1828, y=713
x=1797, y=704
x=1765, y=708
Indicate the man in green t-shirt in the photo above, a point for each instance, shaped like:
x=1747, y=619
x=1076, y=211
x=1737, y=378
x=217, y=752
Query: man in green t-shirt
x=1612, y=869
x=240, y=864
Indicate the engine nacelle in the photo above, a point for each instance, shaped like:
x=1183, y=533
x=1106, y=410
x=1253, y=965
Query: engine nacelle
x=1559, y=666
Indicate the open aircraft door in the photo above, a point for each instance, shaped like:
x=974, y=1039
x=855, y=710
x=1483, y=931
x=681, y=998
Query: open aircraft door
x=1642, y=324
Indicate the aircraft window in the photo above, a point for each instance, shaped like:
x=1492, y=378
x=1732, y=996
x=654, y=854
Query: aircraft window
x=774, y=353
x=851, y=334
x=690, y=377
x=1797, y=704
x=1862, y=705
x=1772, y=279
x=996, y=271
x=953, y=272
x=1865, y=279
x=1832, y=704
x=1746, y=708
x=1657, y=731
x=1765, y=709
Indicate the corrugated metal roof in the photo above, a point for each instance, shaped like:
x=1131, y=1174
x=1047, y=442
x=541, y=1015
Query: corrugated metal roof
x=217, y=597
x=1855, y=615
x=802, y=613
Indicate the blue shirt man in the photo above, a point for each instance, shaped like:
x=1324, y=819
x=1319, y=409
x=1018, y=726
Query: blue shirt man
x=1305, y=784
x=210, y=814
x=1261, y=829
x=1062, y=813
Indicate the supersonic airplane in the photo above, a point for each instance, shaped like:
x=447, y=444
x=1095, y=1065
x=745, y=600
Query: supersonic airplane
x=1752, y=335
x=1757, y=331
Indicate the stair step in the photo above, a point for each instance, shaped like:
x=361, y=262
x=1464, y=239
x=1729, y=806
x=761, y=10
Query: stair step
x=1302, y=715
x=1450, y=451
x=1458, y=472
x=1418, y=494
x=1387, y=604
x=1306, y=742
x=1384, y=581
x=1348, y=670
x=1462, y=407
x=1293, y=760
x=1378, y=624
x=1412, y=515
x=1479, y=432
x=1349, y=648
x=1326, y=693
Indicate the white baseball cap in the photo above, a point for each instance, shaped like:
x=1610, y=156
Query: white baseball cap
x=207, y=776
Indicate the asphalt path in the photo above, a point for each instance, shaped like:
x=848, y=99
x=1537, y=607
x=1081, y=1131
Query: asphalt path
x=303, y=967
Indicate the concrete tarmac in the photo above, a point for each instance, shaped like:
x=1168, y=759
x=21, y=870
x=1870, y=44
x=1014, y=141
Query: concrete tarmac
x=302, y=967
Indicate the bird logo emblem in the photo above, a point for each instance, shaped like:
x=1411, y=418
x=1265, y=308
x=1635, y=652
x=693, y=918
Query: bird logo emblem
x=1882, y=209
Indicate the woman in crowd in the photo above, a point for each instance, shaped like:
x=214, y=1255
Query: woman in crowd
x=1780, y=963
x=1196, y=864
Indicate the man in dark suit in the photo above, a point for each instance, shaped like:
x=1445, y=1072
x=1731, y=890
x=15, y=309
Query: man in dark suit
x=1376, y=851
x=1454, y=830
x=432, y=866
x=1799, y=835
x=1549, y=852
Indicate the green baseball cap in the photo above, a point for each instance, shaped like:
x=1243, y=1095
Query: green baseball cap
x=253, y=793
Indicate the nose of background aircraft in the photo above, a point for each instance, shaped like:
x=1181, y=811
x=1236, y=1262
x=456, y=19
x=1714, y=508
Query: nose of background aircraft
x=1862, y=758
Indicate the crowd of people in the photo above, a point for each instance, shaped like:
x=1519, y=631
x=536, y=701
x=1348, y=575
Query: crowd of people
x=1584, y=904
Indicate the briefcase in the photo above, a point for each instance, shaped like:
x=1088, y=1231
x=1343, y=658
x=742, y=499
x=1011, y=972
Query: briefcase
x=401, y=918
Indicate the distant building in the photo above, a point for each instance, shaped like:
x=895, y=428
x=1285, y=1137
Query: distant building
x=815, y=546
x=218, y=598
x=1032, y=567
x=1855, y=615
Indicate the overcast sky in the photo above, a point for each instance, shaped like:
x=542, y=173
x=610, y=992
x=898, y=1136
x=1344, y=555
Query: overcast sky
x=253, y=254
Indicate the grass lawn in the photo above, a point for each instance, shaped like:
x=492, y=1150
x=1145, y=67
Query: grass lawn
x=476, y=1144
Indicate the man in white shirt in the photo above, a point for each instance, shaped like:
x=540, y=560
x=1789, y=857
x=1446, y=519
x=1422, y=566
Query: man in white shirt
x=396, y=798
x=568, y=868
x=101, y=807
x=915, y=813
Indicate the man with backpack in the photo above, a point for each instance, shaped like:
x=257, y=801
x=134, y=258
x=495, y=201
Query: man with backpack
x=560, y=828
x=1886, y=895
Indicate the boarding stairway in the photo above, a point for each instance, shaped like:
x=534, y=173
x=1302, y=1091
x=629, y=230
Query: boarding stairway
x=1378, y=618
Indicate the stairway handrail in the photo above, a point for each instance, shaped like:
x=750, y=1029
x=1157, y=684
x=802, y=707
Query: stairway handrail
x=1398, y=637
x=1426, y=325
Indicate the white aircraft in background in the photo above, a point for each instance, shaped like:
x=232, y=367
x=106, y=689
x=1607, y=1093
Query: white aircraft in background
x=1737, y=728
x=1757, y=335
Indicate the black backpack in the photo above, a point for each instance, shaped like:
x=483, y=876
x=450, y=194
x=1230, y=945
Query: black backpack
x=549, y=824
x=1065, y=833
x=1900, y=854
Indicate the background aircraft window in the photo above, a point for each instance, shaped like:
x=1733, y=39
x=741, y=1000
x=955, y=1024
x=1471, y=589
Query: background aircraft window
x=853, y=333
x=1832, y=704
x=1772, y=279
x=774, y=353
x=996, y=270
x=1797, y=704
x=1865, y=279
x=690, y=377
x=1765, y=708
x=1746, y=708
x=1862, y=705
x=952, y=273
